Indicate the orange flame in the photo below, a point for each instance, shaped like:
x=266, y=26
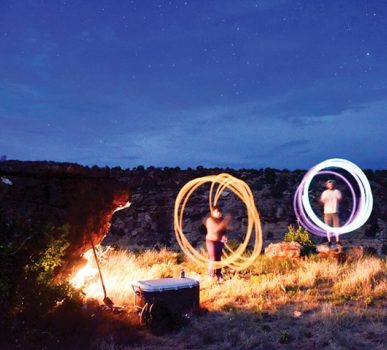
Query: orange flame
x=87, y=272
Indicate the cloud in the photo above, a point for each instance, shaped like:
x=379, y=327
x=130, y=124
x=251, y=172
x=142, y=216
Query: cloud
x=268, y=142
x=326, y=98
x=294, y=145
x=126, y=158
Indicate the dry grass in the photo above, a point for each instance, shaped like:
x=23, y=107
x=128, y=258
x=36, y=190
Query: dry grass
x=120, y=269
x=301, y=304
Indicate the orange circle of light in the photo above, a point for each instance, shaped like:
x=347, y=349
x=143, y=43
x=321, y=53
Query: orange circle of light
x=234, y=259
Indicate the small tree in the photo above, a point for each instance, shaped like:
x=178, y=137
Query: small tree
x=301, y=236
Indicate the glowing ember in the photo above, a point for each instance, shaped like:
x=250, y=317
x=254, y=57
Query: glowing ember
x=126, y=205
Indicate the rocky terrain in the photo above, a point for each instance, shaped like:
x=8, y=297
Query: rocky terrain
x=40, y=193
x=86, y=197
x=148, y=222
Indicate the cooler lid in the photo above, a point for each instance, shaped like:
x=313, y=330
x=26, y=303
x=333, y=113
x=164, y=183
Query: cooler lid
x=161, y=284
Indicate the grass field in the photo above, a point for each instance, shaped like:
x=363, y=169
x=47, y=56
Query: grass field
x=308, y=303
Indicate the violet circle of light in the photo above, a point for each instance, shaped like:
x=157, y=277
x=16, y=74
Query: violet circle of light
x=361, y=210
x=303, y=218
x=301, y=215
x=365, y=201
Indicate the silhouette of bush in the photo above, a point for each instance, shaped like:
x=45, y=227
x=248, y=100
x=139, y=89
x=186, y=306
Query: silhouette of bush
x=30, y=257
x=279, y=187
x=270, y=176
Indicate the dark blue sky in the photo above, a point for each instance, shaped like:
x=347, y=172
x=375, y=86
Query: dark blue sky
x=277, y=83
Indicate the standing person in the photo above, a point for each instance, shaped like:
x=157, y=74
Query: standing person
x=331, y=198
x=216, y=237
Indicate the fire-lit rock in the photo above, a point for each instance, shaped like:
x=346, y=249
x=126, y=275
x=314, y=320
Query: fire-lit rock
x=284, y=249
x=62, y=193
x=345, y=253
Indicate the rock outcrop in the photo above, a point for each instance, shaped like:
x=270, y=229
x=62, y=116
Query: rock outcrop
x=61, y=193
x=284, y=250
x=347, y=253
x=86, y=197
x=149, y=221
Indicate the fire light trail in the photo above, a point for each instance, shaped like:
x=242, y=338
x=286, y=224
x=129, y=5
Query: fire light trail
x=234, y=260
x=361, y=209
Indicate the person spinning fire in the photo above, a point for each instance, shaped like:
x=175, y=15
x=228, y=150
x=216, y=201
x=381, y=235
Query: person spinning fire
x=216, y=227
x=331, y=198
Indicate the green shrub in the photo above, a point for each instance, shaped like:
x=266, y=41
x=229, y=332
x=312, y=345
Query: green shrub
x=30, y=256
x=301, y=236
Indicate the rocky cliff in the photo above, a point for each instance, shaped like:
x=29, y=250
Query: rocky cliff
x=85, y=198
x=37, y=193
x=148, y=222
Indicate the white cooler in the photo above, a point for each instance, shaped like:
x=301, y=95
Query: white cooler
x=178, y=295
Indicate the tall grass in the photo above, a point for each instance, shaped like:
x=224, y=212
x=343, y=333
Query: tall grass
x=310, y=303
x=267, y=284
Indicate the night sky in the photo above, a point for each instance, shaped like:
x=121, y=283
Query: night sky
x=227, y=83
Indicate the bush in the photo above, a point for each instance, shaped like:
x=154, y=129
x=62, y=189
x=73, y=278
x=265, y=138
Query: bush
x=279, y=187
x=29, y=259
x=301, y=236
x=270, y=176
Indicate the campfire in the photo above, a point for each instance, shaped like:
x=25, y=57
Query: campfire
x=86, y=273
